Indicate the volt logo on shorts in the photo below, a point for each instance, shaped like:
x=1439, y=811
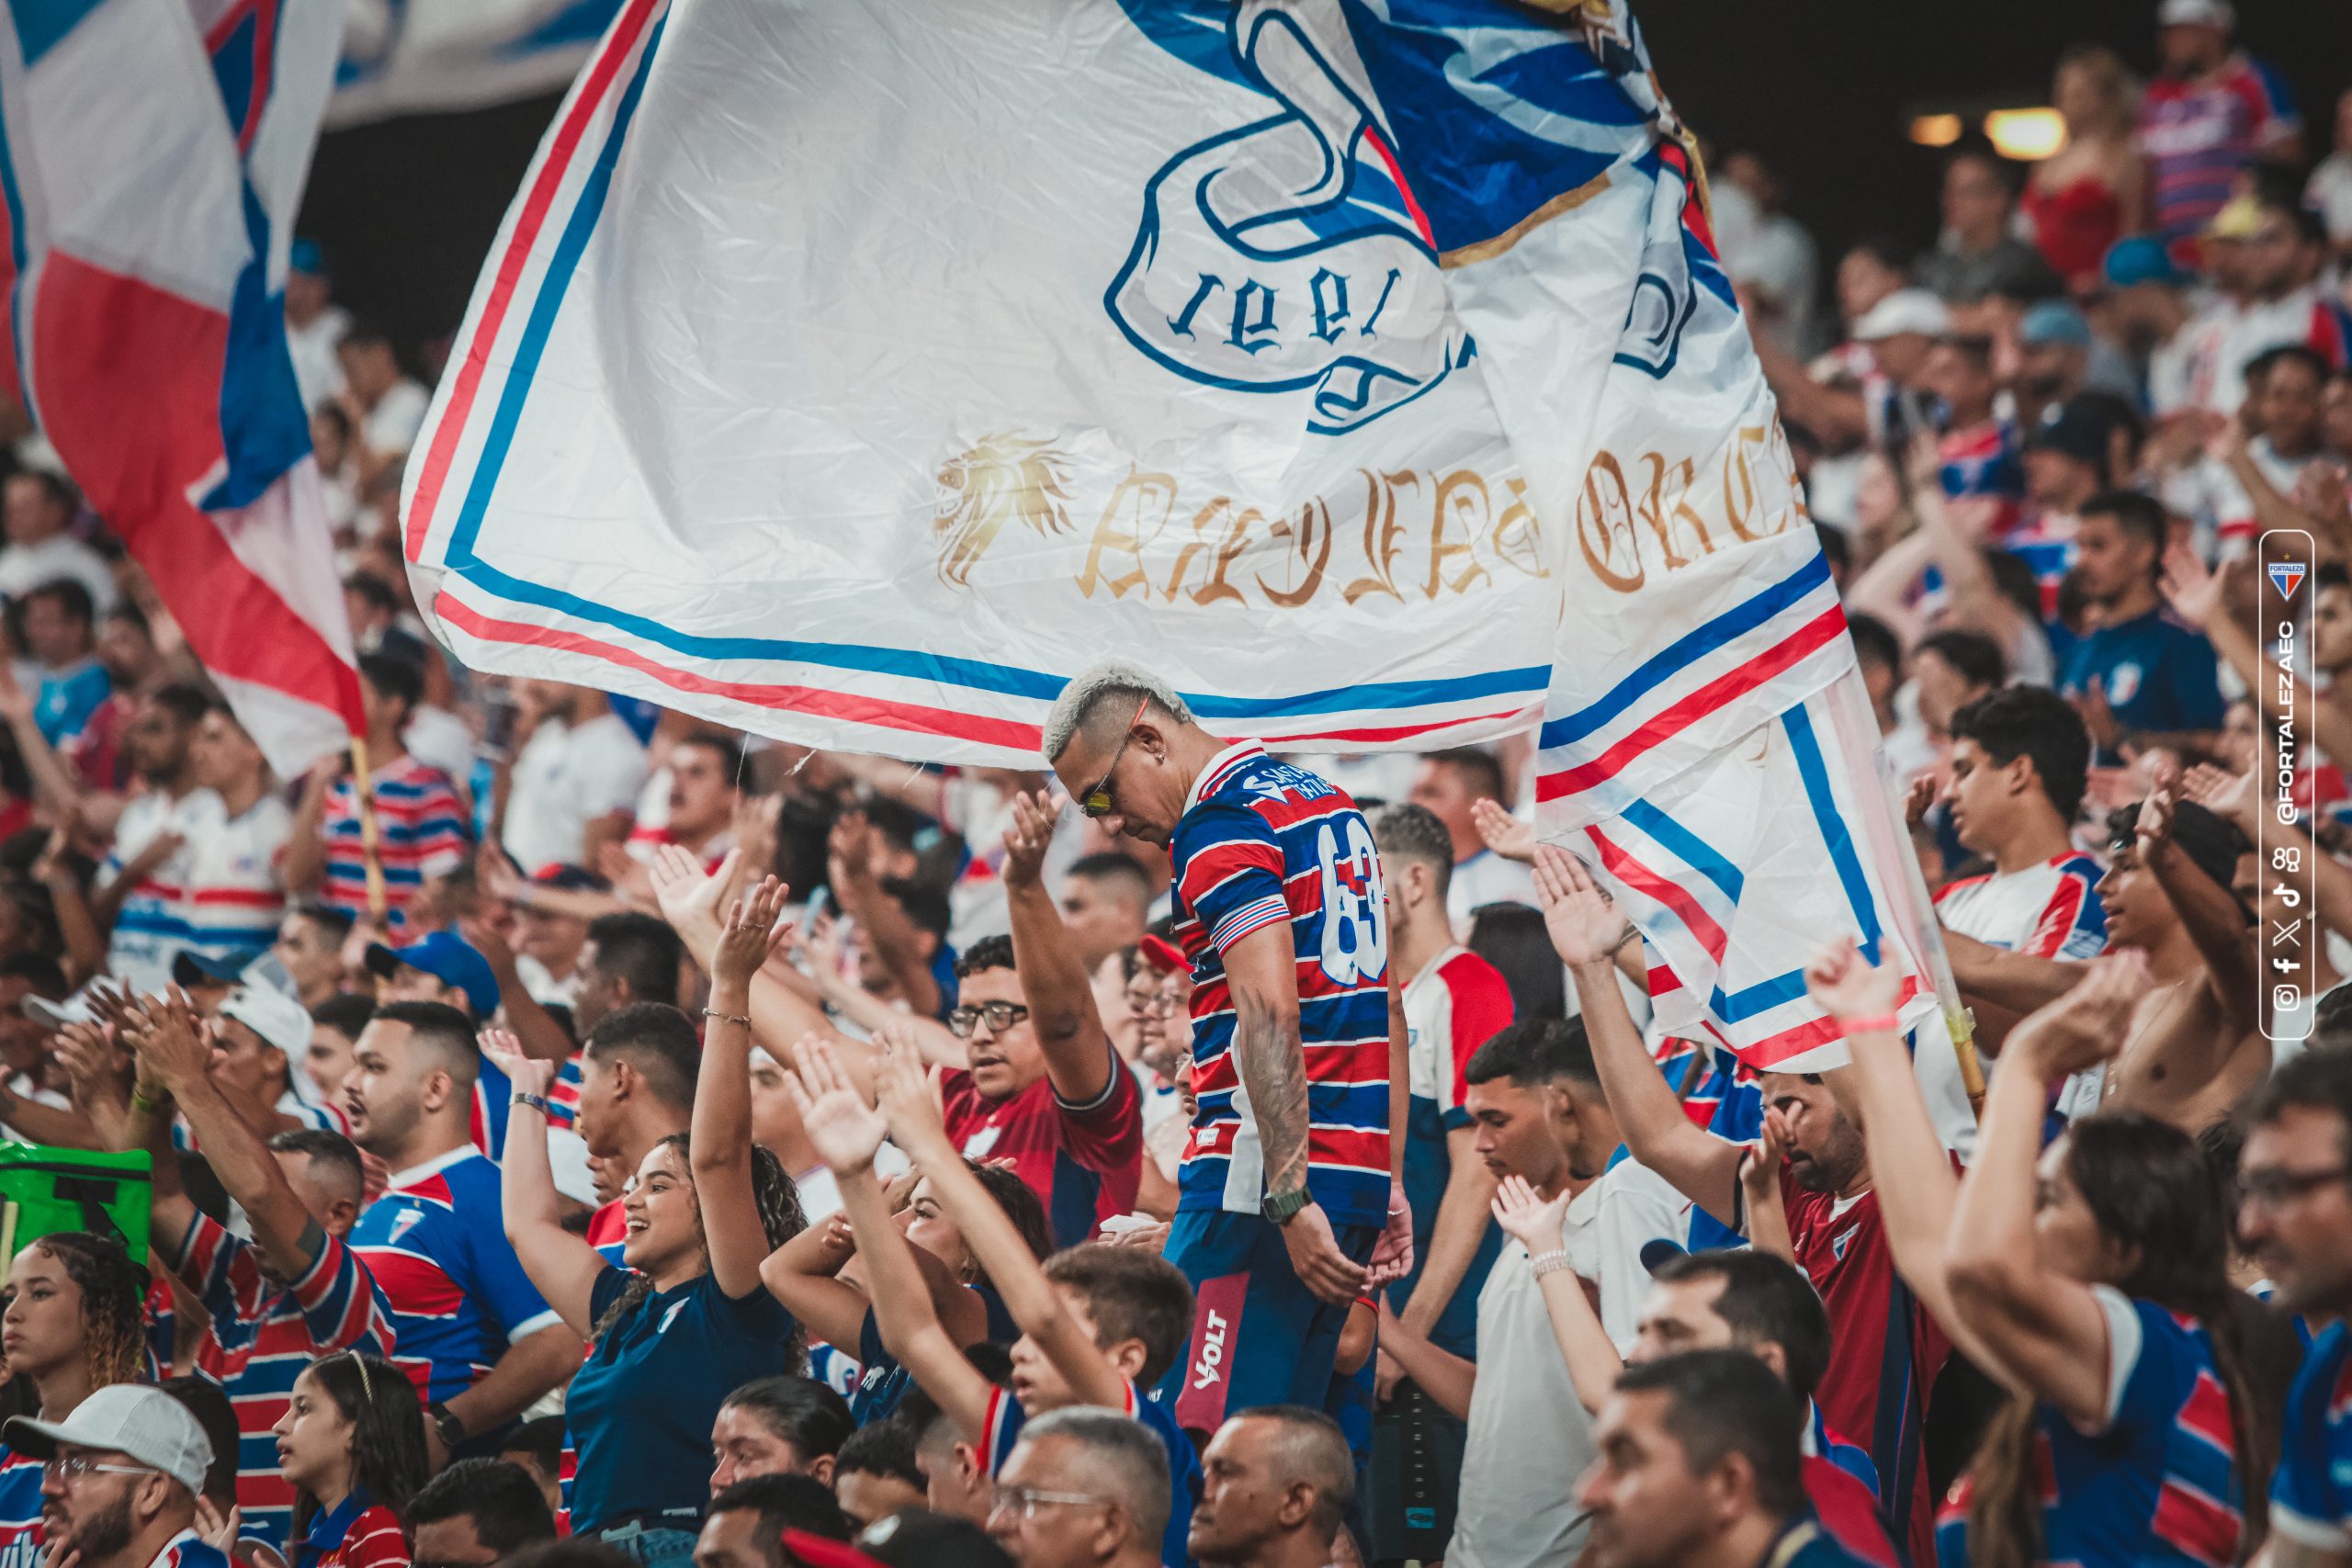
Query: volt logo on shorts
x=1217, y=1336
x=1210, y=1366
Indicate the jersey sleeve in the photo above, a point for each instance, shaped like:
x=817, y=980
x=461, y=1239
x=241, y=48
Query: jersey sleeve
x=337, y=1297
x=1005, y=1419
x=1106, y=1134
x=2307, y=1506
x=2072, y=924
x=1232, y=873
x=222, y=1270
x=2145, y=1347
x=1482, y=1006
x=2271, y=101
x=498, y=1282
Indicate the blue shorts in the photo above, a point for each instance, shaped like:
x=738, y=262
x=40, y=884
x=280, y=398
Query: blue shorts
x=1259, y=1335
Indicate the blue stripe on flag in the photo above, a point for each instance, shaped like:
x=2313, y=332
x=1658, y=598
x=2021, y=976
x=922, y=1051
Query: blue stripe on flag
x=560, y=267
x=16, y=254
x=1699, y=856
x=1762, y=996
x=1686, y=650
x=41, y=25
x=1842, y=853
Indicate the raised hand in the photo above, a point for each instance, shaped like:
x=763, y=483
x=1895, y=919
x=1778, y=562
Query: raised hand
x=2098, y=717
x=1918, y=799
x=1585, y=927
x=910, y=1098
x=687, y=894
x=1514, y=838
x=2154, y=825
x=2090, y=1023
x=171, y=1041
x=1760, y=1174
x=849, y=850
x=495, y=874
x=843, y=1130
x=1027, y=838
x=1534, y=1223
x=1842, y=983
x=504, y=1052
x=92, y=1067
x=2193, y=592
x=754, y=932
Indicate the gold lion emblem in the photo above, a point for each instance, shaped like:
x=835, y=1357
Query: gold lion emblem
x=1006, y=476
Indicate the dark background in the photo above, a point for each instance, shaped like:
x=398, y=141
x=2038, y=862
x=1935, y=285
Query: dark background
x=1823, y=89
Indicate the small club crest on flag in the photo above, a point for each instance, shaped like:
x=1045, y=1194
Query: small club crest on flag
x=2287, y=576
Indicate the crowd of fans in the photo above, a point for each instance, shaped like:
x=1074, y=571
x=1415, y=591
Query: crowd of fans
x=668, y=1145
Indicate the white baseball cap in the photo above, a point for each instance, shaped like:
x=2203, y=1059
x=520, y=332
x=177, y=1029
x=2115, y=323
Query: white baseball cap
x=1905, y=310
x=278, y=1018
x=2197, y=13
x=127, y=1418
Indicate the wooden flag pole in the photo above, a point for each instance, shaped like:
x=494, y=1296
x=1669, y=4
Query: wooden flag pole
x=370, y=841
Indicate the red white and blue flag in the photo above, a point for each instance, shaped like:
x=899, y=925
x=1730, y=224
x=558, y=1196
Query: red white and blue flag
x=858, y=374
x=150, y=180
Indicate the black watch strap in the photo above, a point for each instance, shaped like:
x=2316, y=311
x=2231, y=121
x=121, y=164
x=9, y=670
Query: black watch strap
x=446, y=1422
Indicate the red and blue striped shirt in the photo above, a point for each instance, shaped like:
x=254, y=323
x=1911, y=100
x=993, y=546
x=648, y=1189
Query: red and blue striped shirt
x=263, y=1333
x=458, y=1293
x=422, y=828
x=2158, y=1483
x=1264, y=843
x=2311, y=1492
x=2198, y=134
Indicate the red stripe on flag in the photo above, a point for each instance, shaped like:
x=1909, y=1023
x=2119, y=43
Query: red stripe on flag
x=599, y=82
x=1678, y=716
x=129, y=394
x=1643, y=880
x=909, y=716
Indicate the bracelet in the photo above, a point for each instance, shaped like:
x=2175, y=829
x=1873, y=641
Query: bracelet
x=1550, y=1262
x=1633, y=933
x=1882, y=1023
x=743, y=1018
x=537, y=1102
x=145, y=1097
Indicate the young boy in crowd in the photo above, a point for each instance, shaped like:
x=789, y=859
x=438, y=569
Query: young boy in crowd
x=1098, y=1324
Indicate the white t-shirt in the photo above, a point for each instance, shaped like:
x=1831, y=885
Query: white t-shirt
x=565, y=779
x=392, y=425
x=24, y=567
x=2329, y=192
x=1530, y=1437
x=439, y=739
x=317, y=373
x=151, y=927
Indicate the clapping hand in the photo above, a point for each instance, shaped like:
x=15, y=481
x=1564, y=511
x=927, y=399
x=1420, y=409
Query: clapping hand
x=1844, y=985
x=754, y=932
x=845, y=1129
x=503, y=1050
x=909, y=1098
x=688, y=895
x=1514, y=838
x=1585, y=927
x=2090, y=1023
x=173, y=1043
x=1534, y=1223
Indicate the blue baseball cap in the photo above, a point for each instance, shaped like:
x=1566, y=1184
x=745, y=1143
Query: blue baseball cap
x=2052, y=322
x=449, y=958
x=304, y=255
x=2141, y=258
x=191, y=968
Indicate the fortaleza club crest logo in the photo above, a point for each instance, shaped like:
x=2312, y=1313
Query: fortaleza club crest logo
x=2287, y=576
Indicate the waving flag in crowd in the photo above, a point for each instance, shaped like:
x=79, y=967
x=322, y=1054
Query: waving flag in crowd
x=430, y=56
x=1368, y=367
x=147, y=245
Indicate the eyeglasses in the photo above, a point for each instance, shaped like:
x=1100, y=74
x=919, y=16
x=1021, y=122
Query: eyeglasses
x=1026, y=1500
x=1096, y=802
x=1001, y=1016
x=73, y=1467
x=2274, y=1186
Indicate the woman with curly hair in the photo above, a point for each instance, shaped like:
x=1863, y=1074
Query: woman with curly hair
x=352, y=1445
x=2090, y=1279
x=74, y=1323
x=686, y=1322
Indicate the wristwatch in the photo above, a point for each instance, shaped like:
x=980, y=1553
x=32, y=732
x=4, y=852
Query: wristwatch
x=446, y=1422
x=1282, y=1207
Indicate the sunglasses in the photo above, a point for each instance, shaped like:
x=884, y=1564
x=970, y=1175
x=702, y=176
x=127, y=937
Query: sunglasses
x=1096, y=802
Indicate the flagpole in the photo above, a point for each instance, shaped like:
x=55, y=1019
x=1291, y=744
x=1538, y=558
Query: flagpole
x=1959, y=1022
x=370, y=843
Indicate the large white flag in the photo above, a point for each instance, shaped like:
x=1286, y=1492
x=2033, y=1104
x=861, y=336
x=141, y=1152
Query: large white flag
x=857, y=372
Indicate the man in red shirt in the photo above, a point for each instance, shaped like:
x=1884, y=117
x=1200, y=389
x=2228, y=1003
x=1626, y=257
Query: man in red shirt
x=1886, y=1349
x=1043, y=1090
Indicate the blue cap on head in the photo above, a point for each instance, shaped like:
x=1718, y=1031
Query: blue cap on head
x=1658, y=1252
x=449, y=958
x=2053, y=321
x=304, y=255
x=2141, y=258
